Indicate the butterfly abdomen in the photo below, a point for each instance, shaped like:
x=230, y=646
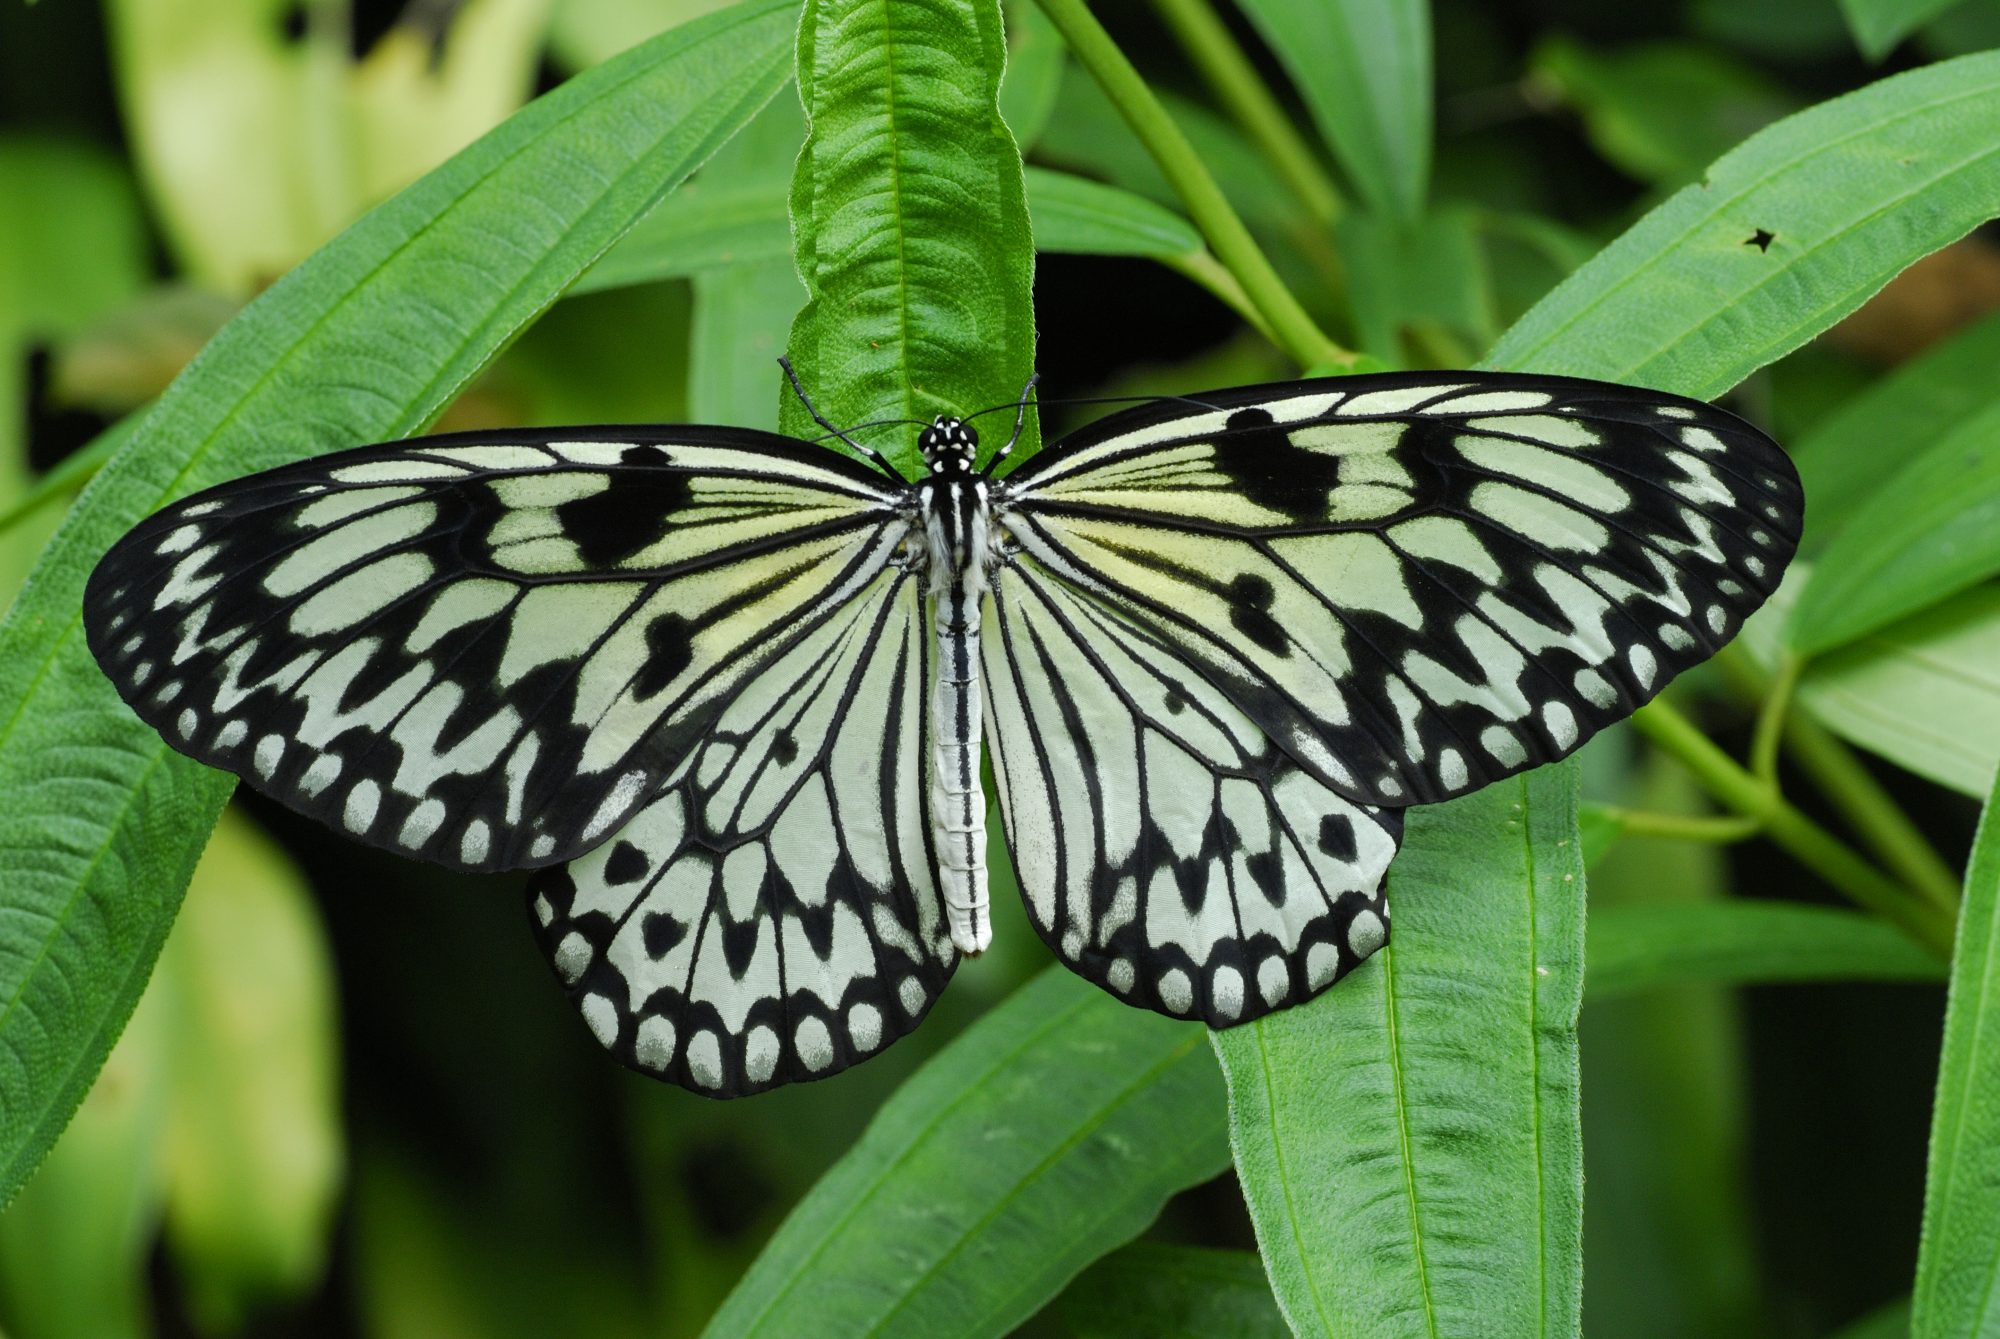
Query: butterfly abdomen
x=956, y=514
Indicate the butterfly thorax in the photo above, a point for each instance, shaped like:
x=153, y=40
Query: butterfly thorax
x=953, y=503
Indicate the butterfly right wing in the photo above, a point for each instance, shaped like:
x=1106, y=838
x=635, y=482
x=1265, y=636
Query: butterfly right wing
x=483, y=650
x=1167, y=849
x=774, y=914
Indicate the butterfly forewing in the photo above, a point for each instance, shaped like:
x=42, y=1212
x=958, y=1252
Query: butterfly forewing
x=773, y=915
x=487, y=651
x=1166, y=848
x=1418, y=585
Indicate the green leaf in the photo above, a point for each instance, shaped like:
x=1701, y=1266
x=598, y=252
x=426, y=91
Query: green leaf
x=74, y=471
x=1929, y=532
x=254, y=1145
x=1744, y=942
x=1668, y=1244
x=1924, y=693
x=1879, y=25
x=1430, y=274
x=1958, y=1261
x=704, y=227
x=74, y=1244
x=1364, y=69
x=1851, y=191
x=1051, y=1131
x=103, y=820
x=1150, y=1290
x=1851, y=454
x=1408, y=1142
x=741, y=318
x=1036, y=58
x=1077, y=216
x=911, y=219
x=1663, y=111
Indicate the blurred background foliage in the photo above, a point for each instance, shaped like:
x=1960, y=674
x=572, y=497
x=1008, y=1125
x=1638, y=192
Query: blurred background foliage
x=351, y=1101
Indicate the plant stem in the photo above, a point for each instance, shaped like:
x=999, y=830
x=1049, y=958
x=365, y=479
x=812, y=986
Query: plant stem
x=1210, y=210
x=1236, y=85
x=1883, y=827
x=1815, y=847
x=1771, y=721
x=1683, y=827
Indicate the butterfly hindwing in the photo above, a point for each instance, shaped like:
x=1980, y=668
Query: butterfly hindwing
x=1420, y=584
x=1166, y=848
x=773, y=914
x=482, y=650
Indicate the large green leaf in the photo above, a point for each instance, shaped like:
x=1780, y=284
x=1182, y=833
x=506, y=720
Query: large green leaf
x=742, y=222
x=1958, y=1263
x=1408, y=1142
x=1049, y=1133
x=367, y=340
x=1364, y=69
x=910, y=217
x=1849, y=191
x=1847, y=458
x=1929, y=532
x=1743, y=942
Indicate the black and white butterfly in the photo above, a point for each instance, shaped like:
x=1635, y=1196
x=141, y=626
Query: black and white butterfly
x=726, y=690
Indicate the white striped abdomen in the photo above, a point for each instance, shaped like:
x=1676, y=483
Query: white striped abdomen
x=958, y=805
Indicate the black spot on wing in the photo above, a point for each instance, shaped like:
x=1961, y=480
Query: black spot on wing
x=669, y=650
x=1250, y=598
x=626, y=864
x=1336, y=837
x=1262, y=463
x=784, y=748
x=632, y=512
x=660, y=933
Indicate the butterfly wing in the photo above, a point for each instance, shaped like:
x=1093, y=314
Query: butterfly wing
x=1419, y=584
x=487, y=651
x=1166, y=848
x=773, y=914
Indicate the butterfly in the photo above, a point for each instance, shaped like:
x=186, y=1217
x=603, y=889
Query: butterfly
x=726, y=691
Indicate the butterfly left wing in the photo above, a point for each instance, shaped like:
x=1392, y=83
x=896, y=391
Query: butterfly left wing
x=772, y=915
x=1166, y=848
x=1418, y=583
x=484, y=650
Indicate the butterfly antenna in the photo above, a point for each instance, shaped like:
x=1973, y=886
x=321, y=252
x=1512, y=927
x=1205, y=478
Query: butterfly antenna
x=806, y=400
x=1020, y=421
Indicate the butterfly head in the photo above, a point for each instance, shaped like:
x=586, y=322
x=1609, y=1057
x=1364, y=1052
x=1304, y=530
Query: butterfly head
x=949, y=446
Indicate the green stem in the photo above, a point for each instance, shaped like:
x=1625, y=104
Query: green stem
x=1682, y=827
x=1882, y=826
x=1880, y=823
x=1210, y=210
x=1771, y=721
x=1815, y=847
x=1236, y=85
